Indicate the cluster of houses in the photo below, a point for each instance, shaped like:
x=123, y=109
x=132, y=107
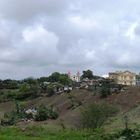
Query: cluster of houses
x=119, y=77
x=115, y=80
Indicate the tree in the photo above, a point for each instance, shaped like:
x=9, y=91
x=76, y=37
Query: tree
x=50, y=90
x=9, y=84
x=105, y=89
x=42, y=79
x=30, y=81
x=54, y=77
x=64, y=79
x=87, y=74
x=61, y=78
x=27, y=90
x=95, y=115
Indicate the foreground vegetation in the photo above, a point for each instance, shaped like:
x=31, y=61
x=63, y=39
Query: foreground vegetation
x=43, y=133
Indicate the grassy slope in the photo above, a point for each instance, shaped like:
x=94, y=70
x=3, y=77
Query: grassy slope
x=43, y=133
x=129, y=104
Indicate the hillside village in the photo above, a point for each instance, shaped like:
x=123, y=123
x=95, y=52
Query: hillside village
x=58, y=84
x=57, y=100
x=119, y=77
x=114, y=79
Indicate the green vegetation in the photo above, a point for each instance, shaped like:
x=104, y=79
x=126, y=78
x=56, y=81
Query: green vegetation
x=105, y=90
x=96, y=114
x=61, y=78
x=87, y=74
x=43, y=133
x=30, y=88
x=44, y=113
x=74, y=102
x=41, y=113
x=53, y=87
x=50, y=90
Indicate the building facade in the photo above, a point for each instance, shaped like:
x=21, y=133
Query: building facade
x=123, y=78
x=75, y=78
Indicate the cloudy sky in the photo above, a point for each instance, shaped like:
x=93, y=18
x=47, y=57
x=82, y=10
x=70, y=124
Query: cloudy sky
x=38, y=37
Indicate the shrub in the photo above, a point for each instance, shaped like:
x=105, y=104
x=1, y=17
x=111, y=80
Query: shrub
x=53, y=115
x=50, y=90
x=28, y=91
x=42, y=113
x=95, y=115
x=105, y=91
x=9, y=118
x=125, y=134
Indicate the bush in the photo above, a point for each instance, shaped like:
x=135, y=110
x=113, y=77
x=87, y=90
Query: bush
x=53, y=115
x=125, y=134
x=9, y=119
x=105, y=91
x=28, y=91
x=50, y=90
x=95, y=115
x=42, y=113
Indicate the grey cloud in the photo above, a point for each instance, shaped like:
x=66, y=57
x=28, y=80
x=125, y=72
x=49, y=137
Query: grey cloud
x=29, y=9
x=38, y=37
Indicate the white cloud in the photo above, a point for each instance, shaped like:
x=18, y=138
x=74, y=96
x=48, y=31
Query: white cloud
x=38, y=47
x=131, y=31
x=84, y=23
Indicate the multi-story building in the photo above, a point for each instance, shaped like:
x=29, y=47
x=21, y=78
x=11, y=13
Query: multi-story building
x=123, y=78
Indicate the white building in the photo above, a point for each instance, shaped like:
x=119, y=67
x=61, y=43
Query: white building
x=75, y=78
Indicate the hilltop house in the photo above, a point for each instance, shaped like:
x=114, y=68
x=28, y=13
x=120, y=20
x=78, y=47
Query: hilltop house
x=123, y=78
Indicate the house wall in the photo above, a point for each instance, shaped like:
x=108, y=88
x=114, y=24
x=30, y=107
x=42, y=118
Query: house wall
x=124, y=78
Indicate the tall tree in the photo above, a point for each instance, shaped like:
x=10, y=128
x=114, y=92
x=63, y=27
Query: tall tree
x=54, y=77
x=87, y=74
